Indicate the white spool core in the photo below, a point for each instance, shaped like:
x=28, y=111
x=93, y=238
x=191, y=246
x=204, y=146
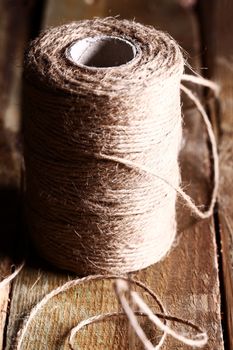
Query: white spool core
x=101, y=52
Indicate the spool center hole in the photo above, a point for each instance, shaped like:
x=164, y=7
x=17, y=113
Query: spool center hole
x=102, y=52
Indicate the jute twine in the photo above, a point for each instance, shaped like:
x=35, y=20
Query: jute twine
x=101, y=154
x=101, y=148
x=121, y=287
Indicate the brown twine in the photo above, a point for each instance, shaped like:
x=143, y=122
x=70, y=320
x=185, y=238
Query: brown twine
x=101, y=153
x=101, y=148
x=6, y=280
x=121, y=286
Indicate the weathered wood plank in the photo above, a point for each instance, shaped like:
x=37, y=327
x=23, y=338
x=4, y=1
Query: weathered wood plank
x=217, y=31
x=14, y=32
x=4, y=293
x=187, y=280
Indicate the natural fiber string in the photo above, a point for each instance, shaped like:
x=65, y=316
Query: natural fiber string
x=131, y=164
x=121, y=287
x=6, y=280
x=102, y=144
x=187, y=199
x=215, y=88
x=200, y=340
x=209, y=211
x=71, y=284
x=199, y=80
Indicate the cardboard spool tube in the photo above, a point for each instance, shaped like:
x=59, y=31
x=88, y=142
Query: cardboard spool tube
x=101, y=52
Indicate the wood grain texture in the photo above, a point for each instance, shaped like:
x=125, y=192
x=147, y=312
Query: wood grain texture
x=217, y=31
x=14, y=33
x=187, y=280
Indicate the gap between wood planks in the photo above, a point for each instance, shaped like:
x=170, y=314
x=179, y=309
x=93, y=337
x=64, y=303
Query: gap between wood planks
x=218, y=135
x=208, y=14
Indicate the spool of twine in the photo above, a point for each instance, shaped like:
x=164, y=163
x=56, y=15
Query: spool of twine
x=102, y=133
x=99, y=96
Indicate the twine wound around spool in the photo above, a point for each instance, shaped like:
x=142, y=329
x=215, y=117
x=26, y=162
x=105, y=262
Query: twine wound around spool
x=118, y=103
x=101, y=148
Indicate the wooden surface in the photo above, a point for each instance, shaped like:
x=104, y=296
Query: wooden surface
x=187, y=281
x=219, y=58
x=14, y=33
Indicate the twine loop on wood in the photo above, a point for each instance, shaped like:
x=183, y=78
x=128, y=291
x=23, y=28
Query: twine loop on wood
x=122, y=287
x=122, y=284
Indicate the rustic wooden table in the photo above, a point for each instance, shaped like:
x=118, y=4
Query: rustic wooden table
x=195, y=281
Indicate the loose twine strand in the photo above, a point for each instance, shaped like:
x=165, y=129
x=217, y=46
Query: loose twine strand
x=6, y=280
x=120, y=289
x=186, y=198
